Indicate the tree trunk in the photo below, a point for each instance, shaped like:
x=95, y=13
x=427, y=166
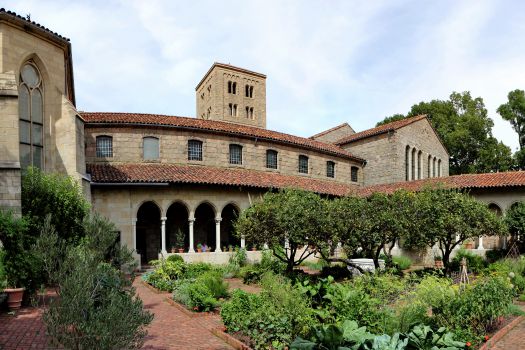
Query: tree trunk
x=446, y=260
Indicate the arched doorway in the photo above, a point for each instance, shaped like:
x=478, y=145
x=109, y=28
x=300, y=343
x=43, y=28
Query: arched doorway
x=204, y=227
x=148, y=232
x=177, y=224
x=229, y=215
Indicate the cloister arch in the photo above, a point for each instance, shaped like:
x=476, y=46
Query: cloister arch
x=204, y=227
x=177, y=217
x=229, y=215
x=148, y=231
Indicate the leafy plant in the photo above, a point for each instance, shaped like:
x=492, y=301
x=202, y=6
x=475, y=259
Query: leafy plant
x=424, y=338
x=475, y=263
x=402, y=262
x=175, y=258
x=179, y=238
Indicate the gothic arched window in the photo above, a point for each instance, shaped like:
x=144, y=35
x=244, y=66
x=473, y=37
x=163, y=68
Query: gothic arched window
x=31, y=113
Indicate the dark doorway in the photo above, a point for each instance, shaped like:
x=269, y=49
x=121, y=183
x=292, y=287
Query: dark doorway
x=229, y=215
x=204, y=229
x=148, y=232
x=177, y=223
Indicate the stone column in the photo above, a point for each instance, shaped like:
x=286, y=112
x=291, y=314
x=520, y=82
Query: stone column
x=243, y=242
x=163, y=235
x=218, y=235
x=134, y=233
x=480, y=244
x=191, y=220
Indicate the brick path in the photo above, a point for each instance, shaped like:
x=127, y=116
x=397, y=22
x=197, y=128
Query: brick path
x=172, y=329
x=513, y=340
x=25, y=330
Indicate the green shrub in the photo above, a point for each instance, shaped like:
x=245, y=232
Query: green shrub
x=165, y=274
x=384, y=287
x=345, y=302
x=402, y=262
x=194, y=270
x=175, y=258
x=477, y=308
x=200, y=297
x=3, y=277
x=181, y=291
x=214, y=282
x=238, y=258
x=271, y=319
x=475, y=263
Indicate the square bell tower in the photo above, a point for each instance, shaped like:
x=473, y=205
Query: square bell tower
x=232, y=94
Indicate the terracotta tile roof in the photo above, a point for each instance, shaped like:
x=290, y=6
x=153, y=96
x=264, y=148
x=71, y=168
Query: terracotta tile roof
x=330, y=130
x=92, y=118
x=379, y=130
x=465, y=181
x=172, y=173
x=228, y=66
x=12, y=15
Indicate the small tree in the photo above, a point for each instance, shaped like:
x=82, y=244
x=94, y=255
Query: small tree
x=290, y=218
x=96, y=305
x=448, y=218
x=515, y=220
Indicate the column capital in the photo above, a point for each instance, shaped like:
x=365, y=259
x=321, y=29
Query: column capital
x=218, y=220
x=163, y=218
x=134, y=221
x=191, y=220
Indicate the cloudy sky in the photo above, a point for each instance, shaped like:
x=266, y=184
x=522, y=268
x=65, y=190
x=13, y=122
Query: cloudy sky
x=327, y=62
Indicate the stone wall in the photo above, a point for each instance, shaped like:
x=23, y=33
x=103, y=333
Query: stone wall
x=61, y=133
x=127, y=148
x=213, y=93
x=385, y=153
x=335, y=134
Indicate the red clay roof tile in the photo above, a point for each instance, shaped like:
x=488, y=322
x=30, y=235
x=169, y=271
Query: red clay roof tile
x=379, y=130
x=465, y=181
x=171, y=173
x=93, y=118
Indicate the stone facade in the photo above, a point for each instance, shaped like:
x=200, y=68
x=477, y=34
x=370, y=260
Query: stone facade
x=23, y=43
x=334, y=134
x=128, y=148
x=386, y=154
x=215, y=95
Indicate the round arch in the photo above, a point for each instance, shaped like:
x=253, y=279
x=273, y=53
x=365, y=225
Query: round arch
x=496, y=208
x=204, y=226
x=230, y=213
x=177, y=226
x=140, y=204
x=148, y=231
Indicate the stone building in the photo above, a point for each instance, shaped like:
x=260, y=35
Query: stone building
x=167, y=181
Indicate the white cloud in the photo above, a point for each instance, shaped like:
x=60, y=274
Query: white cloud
x=326, y=62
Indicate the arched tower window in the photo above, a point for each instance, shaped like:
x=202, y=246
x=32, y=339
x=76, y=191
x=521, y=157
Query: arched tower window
x=439, y=167
x=31, y=114
x=407, y=163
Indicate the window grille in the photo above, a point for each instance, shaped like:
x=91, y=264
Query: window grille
x=194, y=150
x=235, y=154
x=271, y=159
x=303, y=164
x=330, y=169
x=104, y=146
x=354, y=172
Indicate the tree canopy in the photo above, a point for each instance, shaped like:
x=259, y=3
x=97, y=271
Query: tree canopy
x=463, y=125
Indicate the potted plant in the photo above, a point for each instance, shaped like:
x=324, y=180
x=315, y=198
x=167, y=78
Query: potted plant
x=173, y=250
x=14, y=295
x=469, y=245
x=199, y=248
x=205, y=248
x=438, y=262
x=179, y=237
x=230, y=248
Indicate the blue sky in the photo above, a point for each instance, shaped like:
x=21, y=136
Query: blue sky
x=327, y=62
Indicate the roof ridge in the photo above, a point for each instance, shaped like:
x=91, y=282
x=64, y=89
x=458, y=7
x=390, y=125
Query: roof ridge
x=28, y=21
x=397, y=124
x=329, y=130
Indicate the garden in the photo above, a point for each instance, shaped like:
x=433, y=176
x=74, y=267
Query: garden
x=320, y=303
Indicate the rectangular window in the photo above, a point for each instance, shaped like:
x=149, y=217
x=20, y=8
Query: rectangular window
x=354, y=172
x=104, y=146
x=151, y=148
x=194, y=150
x=271, y=159
x=235, y=154
x=330, y=169
x=303, y=164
